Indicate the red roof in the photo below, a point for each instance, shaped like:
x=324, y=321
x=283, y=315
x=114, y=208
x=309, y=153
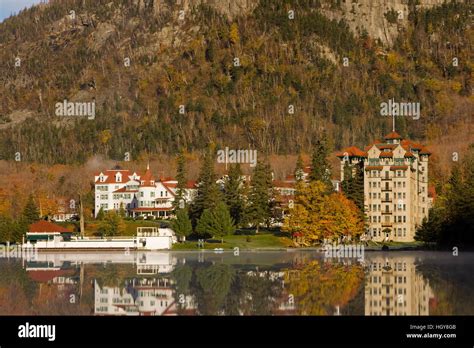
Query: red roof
x=147, y=178
x=352, y=151
x=46, y=226
x=110, y=176
x=191, y=184
x=409, y=154
x=398, y=167
x=432, y=192
x=386, y=154
x=47, y=275
x=374, y=168
x=386, y=146
x=408, y=144
x=425, y=151
x=392, y=135
x=124, y=189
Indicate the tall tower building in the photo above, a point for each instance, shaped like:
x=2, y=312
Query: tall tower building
x=395, y=186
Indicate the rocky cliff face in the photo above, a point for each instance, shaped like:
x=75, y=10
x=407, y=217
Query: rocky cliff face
x=381, y=19
x=230, y=8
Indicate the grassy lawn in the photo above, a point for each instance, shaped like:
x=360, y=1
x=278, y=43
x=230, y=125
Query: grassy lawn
x=130, y=226
x=396, y=245
x=259, y=241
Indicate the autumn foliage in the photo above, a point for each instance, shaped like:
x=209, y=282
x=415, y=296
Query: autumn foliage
x=317, y=216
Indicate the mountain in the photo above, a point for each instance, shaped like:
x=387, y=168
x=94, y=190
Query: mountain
x=267, y=74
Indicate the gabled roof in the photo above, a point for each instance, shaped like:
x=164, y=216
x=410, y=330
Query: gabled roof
x=392, y=135
x=110, y=176
x=46, y=227
x=147, y=178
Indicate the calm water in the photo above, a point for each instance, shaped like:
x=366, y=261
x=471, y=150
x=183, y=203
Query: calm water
x=251, y=283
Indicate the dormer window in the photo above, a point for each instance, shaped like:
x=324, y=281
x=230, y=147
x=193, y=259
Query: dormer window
x=118, y=177
x=101, y=178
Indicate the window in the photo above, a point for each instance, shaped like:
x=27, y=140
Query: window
x=152, y=194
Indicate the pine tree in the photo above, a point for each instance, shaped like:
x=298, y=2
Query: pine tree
x=30, y=212
x=353, y=184
x=299, y=169
x=182, y=224
x=208, y=193
x=320, y=169
x=259, y=208
x=357, y=189
x=346, y=183
x=216, y=222
x=233, y=193
x=100, y=214
x=181, y=178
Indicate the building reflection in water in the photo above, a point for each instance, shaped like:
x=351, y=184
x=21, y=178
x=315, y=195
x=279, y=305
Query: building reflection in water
x=162, y=284
x=394, y=287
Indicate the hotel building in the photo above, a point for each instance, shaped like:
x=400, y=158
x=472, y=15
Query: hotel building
x=396, y=196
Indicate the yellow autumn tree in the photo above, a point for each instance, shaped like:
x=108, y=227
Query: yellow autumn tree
x=317, y=216
x=319, y=288
x=234, y=36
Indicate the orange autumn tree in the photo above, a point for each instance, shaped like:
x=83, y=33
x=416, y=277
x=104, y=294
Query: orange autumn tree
x=316, y=215
x=319, y=287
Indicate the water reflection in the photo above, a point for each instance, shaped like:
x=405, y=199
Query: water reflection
x=266, y=283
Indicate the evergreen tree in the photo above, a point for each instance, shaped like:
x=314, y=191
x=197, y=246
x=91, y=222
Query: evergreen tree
x=320, y=169
x=299, y=169
x=346, y=183
x=208, y=193
x=452, y=217
x=353, y=184
x=182, y=224
x=216, y=222
x=112, y=224
x=260, y=203
x=181, y=178
x=233, y=193
x=357, y=188
x=30, y=212
x=100, y=214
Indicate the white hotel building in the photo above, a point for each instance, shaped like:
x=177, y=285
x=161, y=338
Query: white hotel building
x=396, y=194
x=137, y=194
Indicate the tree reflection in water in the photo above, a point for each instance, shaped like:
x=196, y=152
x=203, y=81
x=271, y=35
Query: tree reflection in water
x=256, y=284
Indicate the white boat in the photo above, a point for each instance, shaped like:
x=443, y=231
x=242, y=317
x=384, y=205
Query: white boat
x=147, y=238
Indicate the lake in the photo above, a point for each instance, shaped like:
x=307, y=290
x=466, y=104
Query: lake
x=295, y=282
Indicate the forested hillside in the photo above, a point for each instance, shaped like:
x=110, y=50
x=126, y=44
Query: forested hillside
x=238, y=77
